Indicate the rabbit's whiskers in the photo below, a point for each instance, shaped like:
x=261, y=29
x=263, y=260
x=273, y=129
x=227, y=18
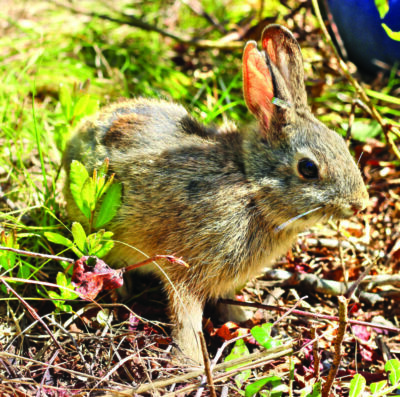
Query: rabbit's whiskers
x=295, y=218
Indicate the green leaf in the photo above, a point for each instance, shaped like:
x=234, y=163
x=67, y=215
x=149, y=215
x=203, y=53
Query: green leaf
x=104, y=249
x=81, y=105
x=79, y=235
x=241, y=377
x=377, y=387
x=8, y=258
x=357, y=386
x=89, y=196
x=57, y=238
x=393, y=35
x=78, y=176
x=23, y=271
x=262, y=334
x=382, y=7
x=53, y=295
x=317, y=390
x=59, y=302
x=62, y=281
x=239, y=350
x=109, y=205
x=393, y=367
x=257, y=386
x=361, y=130
x=84, y=106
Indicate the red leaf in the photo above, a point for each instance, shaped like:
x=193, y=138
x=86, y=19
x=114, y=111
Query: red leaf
x=90, y=280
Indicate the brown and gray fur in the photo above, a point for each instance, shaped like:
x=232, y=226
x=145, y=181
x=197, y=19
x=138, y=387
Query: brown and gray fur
x=218, y=199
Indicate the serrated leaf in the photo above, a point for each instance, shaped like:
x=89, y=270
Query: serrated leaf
x=109, y=205
x=79, y=235
x=393, y=367
x=377, y=387
x=393, y=35
x=382, y=7
x=357, y=386
x=78, y=175
x=257, y=386
x=57, y=238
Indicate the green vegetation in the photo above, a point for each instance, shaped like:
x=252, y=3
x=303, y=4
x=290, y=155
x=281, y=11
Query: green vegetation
x=58, y=66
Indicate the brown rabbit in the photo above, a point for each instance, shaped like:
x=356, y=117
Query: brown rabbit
x=228, y=202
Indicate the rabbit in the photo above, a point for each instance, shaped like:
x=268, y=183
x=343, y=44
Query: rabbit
x=228, y=201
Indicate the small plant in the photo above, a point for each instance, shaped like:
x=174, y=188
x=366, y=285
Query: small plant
x=270, y=386
x=60, y=298
x=381, y=388
x=98, y=198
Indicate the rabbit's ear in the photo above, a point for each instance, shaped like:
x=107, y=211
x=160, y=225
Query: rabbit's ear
x=258, y=86
x=284, y=52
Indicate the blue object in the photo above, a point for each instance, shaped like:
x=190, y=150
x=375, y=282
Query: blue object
x=364, y=38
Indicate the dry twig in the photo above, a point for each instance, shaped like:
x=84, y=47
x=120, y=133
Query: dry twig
x=138, y=23
x=343, y=321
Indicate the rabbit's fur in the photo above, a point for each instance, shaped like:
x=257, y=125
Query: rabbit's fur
x=227, y=202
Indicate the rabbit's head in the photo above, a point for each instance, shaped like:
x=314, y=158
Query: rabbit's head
x=303, y=170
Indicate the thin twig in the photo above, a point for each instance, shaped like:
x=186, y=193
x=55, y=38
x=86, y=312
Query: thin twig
x=207, y=366
x=315, y=352
x=37, y=255
x=338, y=346
x=138, y=23
x=198, y=9
x=315, y=316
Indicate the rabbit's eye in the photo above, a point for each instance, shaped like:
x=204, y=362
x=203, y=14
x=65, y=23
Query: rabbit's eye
x=307, y=169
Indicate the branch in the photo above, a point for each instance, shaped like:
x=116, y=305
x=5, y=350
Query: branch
x=314, y=316
x=37, y=255
x=343, y=321
x=138, y=23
